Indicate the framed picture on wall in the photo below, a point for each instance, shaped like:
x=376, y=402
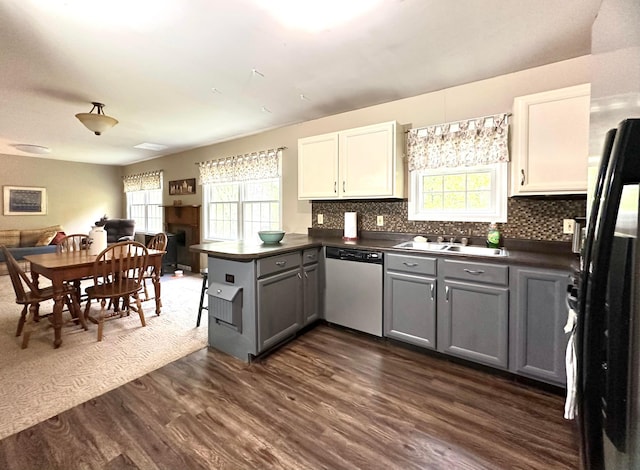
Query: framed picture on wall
x=24, y=200
x=180, y=187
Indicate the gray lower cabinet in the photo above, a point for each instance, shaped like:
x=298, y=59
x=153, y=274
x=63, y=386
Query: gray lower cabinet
x=473, y=312
x=279, y=298
x=538, y=315
x=311, y=293
x=410, y=299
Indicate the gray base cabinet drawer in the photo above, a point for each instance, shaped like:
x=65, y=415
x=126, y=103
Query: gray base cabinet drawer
x=473, y=322
x=475, y=272
x=410, y=264
x=275, y=264
x=310, y=255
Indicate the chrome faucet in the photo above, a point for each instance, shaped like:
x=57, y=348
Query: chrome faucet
x=452, y=239
x=440, y=239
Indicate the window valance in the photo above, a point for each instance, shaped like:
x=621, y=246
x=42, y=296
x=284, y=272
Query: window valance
x=142, y=181
x=479, y=141
x=251, y=166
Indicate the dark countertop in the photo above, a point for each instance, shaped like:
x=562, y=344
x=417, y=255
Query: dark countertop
x=246, y=251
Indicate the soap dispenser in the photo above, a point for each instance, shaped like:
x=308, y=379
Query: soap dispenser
x=493, y=236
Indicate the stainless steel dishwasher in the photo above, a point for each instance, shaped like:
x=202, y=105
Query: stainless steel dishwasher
x=353, y=293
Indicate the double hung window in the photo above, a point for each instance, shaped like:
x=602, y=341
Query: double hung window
x=242, y=195
x=144, y=201
x=458, y=171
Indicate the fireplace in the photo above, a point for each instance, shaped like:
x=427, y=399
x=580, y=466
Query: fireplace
x=184, y=222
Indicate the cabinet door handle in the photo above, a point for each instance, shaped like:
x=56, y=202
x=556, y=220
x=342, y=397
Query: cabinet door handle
x=335, y=187
x=306, y=276
x=311, y=256
x=446, y=293
x=410, y=265
x=522, y=178
x=280, y=263
x=475, y=273
x=299, y=276
x=432, y=290
x=344, y=186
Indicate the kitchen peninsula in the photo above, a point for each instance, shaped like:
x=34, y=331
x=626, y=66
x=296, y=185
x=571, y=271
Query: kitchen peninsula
x=263, y=295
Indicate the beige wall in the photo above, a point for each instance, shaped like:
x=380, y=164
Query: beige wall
x=78, y=194
x=490, y=96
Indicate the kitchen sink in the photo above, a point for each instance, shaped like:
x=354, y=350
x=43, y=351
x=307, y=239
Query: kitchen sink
x=452, y=248
x=476, y=250
x=422, y=246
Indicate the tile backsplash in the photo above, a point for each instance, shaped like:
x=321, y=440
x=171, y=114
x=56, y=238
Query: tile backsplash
x=529, y=219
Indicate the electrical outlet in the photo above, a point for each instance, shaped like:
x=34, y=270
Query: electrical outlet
x=380, y=221
x=320, y=219
x=568, y=225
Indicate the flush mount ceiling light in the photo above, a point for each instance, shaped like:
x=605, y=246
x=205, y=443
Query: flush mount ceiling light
x=98, y=122
x=30, y=148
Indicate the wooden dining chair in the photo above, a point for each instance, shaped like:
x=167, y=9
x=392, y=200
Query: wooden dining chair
x=75, y=243
x=30, y=296
x=117, y=274
x=158, y=242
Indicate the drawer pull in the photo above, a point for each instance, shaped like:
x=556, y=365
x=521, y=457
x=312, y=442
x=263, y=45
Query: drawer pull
x=311, y=256
x=410, y=265
x=446, y=293
x=306, y=276
x=475, y=273
x=299, y=276
x=280, y=263
x=432, y=290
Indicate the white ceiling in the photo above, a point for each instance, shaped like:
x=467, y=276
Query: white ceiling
x=155, y=67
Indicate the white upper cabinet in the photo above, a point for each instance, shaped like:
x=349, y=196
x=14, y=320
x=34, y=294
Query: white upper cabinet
x=360, y=163
x=551, y=142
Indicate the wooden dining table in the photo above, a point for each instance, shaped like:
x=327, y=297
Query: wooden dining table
x=71, y=266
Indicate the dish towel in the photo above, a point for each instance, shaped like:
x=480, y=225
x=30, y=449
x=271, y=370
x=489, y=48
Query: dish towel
x=571, y=365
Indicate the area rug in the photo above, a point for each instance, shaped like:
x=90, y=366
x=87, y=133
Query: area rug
x=39, y=382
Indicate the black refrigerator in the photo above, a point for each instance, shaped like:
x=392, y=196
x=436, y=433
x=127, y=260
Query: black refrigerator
x=608, y=320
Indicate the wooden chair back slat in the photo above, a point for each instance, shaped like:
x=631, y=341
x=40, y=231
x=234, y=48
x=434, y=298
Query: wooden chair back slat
x=75, y=242
x=119, y=264
x=18, y=277
x=158, y=242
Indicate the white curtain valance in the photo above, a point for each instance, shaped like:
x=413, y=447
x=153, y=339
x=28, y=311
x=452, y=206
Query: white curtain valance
x=251, y=166
x=479, y=141
x=142, y=181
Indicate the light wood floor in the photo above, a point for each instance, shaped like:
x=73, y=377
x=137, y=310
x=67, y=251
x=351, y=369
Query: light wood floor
x=330, y=399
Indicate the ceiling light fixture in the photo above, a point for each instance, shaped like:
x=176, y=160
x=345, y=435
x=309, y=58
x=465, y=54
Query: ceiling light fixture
x=30, y=148
x=98, y=122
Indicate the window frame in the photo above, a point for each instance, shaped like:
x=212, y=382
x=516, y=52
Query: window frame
x=240, y=203
x=144, y=228
x=499, y=195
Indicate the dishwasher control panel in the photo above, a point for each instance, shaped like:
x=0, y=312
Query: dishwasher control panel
x=351, y=254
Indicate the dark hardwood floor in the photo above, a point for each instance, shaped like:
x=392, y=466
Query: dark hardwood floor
x=328, y=400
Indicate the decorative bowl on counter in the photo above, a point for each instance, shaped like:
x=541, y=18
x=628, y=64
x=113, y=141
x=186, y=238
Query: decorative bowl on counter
x=271, y=236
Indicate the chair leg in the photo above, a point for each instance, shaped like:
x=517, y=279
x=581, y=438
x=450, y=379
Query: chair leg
x=204, y=289
x=103, y=304
x=29, y=325
x=75, y=302
x=146, y=292
x=139, y=307
x=23, y=317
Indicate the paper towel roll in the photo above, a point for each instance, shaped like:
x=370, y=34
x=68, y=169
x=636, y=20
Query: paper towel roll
x=350, y=225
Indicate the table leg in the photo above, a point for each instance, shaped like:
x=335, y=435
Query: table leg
x=57, y=316
x=156, y=287
x=157, y=269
